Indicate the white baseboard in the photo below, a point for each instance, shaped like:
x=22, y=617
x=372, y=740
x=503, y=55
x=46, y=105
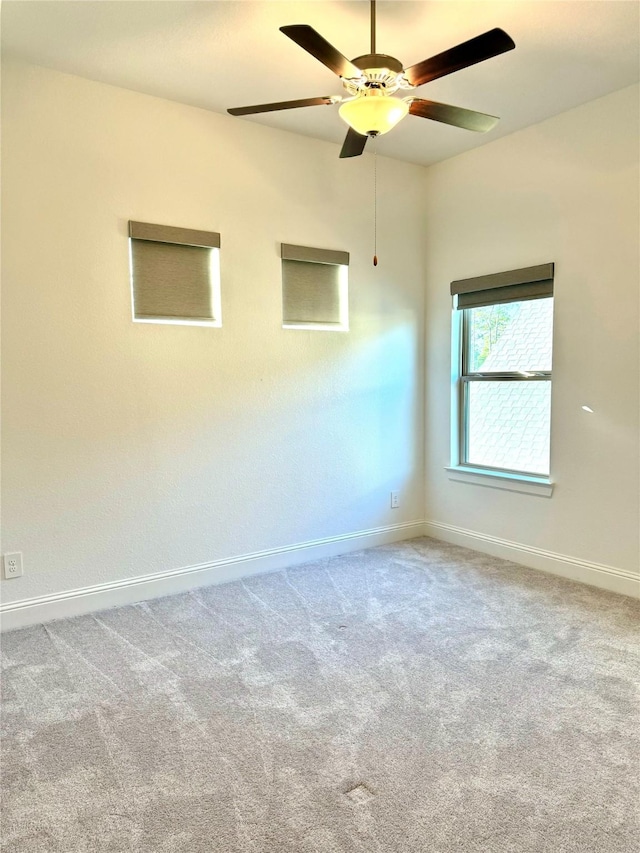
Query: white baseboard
x=595, y=574
x=74, y=602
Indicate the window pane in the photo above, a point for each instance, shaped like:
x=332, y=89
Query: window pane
x=515, y=336
x=508, y=425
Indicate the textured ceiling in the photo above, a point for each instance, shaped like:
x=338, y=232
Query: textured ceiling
x=223, y=54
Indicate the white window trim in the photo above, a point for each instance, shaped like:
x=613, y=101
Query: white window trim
x=509, y=481
x=541, y=486
x=317, y=327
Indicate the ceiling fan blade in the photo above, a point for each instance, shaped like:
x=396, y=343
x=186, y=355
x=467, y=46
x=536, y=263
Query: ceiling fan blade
x=457, y=116
x=282, y=105
x=353, y=145
x=313, y=43
x=477, y=49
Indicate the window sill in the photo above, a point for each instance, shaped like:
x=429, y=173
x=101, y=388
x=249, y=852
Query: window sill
x=540, y=486
x=319, y=327
x=179, y=321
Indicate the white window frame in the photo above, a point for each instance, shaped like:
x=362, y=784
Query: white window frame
x=460, y=470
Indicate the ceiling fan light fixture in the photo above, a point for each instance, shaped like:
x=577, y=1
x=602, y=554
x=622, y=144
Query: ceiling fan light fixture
x=372, y=80
x=373, y=113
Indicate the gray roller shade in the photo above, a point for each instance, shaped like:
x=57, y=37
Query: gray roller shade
x=511, y=286
x=171, y=281
x=310, y=293
x=173, y=273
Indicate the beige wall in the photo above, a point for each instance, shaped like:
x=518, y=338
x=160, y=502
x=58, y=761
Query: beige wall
x=565, y=190
x=130, y=449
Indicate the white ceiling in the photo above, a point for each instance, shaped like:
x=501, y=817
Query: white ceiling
x=230, y=53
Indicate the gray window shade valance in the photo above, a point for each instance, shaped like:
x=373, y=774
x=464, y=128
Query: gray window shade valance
x=171, y=234
x=315, y=256
x=511, y=286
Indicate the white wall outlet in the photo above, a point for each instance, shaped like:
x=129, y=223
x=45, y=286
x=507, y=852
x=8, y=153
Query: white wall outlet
x=395, y=500
x=12, y=565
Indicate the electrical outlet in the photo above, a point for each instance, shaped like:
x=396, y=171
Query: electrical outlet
x=395, y=500
x=12, y=565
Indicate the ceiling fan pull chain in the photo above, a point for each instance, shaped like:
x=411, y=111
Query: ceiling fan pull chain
x=375, y=202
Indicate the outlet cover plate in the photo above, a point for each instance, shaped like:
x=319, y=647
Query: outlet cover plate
x=12, y=565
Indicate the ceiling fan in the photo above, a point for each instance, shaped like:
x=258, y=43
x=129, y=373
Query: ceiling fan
x=372, y=80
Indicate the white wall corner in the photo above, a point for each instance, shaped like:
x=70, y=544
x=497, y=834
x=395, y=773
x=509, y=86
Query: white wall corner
x=594, y=574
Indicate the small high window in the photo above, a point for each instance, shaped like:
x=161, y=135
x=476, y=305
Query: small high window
x=175, y=275
x=505, y=328
x=314, y=288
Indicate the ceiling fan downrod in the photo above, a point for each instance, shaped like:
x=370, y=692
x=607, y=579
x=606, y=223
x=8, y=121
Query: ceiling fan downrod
x=373, y=26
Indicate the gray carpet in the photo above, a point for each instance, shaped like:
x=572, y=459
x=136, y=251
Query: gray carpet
x=413, y=697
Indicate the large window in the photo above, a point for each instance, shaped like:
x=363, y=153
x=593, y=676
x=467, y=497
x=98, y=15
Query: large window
x=503, y=382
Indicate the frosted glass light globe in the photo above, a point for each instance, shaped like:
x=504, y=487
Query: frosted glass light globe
x=373, y=113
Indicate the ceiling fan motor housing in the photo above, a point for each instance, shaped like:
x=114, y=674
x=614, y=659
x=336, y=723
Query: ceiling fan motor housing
x=378, y=60
x=379, y=71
